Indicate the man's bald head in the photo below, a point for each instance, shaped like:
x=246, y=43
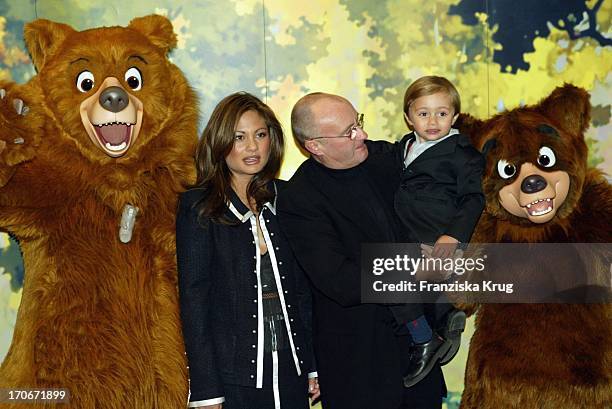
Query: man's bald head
x=304, y=118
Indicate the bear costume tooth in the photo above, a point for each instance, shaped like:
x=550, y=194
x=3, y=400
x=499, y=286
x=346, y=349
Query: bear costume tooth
x=115, y=148
x=541, y=212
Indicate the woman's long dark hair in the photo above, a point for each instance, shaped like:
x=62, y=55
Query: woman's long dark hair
x=217, y=142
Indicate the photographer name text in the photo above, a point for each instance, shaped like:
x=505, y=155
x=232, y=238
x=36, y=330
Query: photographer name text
x=456, y=286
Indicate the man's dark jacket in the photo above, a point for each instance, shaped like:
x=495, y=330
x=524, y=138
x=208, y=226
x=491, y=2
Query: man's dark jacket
x=359, y=356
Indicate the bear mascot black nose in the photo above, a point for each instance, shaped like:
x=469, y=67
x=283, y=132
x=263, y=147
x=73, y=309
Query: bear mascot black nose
x=533, y=183
x=114, y=99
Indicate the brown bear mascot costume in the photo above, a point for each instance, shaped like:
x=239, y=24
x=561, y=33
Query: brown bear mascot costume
x=94, y=151
x=539, y=190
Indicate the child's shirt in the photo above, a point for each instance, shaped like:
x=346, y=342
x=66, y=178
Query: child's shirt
x=412, y=151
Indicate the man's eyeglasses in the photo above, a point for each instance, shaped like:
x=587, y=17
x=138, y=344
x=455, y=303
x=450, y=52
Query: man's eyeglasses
x=351, y=133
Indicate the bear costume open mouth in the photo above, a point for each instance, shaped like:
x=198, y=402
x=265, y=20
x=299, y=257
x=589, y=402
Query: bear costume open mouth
x=540, y=207
x=113, y=132
x=114, y=136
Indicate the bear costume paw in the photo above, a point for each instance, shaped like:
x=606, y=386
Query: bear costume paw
x=15, y=142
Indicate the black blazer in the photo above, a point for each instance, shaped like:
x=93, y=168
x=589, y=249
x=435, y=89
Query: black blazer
x=441, y=190
x=218, y=289
x=359, y=357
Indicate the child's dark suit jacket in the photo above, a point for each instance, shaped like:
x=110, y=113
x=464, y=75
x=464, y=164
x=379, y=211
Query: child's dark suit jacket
x=440, y=191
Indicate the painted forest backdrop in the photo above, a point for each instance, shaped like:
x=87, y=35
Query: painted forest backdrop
x=499, y=53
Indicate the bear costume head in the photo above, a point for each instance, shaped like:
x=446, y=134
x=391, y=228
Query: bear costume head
x=536, y=163
x=119, y=79
x=110, y=105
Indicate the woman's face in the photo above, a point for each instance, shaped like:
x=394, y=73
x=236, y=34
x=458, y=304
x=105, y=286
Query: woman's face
x=251, y=148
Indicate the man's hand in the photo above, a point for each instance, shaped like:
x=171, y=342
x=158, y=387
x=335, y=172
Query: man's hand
x=445, y=247
x=215, y=406
x=428, y=274
x=435, y=275
x=313, y=388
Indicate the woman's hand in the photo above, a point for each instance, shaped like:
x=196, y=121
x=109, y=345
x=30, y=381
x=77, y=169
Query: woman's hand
x=313, y=388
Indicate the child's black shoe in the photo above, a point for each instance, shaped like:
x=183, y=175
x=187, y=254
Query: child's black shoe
x=423, y=358
x=455, y=324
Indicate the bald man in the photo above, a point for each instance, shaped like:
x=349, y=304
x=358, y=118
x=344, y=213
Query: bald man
x=338, y=199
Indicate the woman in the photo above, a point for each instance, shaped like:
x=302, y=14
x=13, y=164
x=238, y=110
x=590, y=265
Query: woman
x=245, y=304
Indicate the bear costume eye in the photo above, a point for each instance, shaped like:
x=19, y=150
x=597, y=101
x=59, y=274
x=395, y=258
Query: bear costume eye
x=133, y=77
x=506, y=170
x=85, y=81
x=547, y=157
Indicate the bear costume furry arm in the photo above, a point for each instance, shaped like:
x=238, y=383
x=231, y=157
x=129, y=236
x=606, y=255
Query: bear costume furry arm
x=21, y=125
x=24, y=120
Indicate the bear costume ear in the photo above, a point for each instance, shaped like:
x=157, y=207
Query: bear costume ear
x=490, y=144
x=157, y=29
x=43, y=38
x=468, y=125
x=569, y=107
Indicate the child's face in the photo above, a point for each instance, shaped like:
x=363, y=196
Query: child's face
x=432, y=116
